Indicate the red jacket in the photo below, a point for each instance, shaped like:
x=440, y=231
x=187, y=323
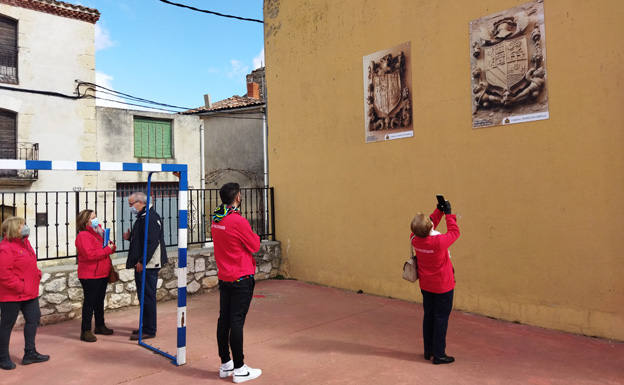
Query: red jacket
x=435, y=270
x=234, y=243
x=93, y=259
x=19, y=274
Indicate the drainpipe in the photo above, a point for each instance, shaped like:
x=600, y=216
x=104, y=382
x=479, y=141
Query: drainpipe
x=265, y=143
x=202, y=179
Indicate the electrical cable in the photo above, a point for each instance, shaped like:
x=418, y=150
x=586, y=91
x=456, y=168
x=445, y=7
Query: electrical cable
x=210, y=12
x=39, y=92
x=123, y=95
x=128, y=96
x=131, y=104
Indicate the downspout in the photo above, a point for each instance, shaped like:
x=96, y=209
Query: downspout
x=202, y=179
x=265, y=142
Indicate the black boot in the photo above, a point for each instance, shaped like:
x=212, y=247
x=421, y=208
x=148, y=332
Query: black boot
x=32, y=357
x=443, y=360
x=6, y=364
x=103, y=330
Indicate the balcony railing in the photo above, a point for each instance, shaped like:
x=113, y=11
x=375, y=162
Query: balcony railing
x=23, y=151
x=8, y=65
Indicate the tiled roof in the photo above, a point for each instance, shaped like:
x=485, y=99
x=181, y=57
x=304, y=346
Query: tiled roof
x=228, y=104
x=59, y=8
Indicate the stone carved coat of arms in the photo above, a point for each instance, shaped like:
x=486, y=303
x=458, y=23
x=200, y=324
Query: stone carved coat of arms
x=388, y=98
x=508, y=63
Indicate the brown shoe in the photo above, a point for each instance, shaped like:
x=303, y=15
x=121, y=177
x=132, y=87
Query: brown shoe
x=135, y=337
x=103, y=330
x=87, y=336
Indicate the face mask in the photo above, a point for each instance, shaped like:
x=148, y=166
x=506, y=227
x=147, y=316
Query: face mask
x=133, y=210
x=25, y=231
x=95, y=222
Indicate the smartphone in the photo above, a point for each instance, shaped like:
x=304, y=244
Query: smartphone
x=440, y=199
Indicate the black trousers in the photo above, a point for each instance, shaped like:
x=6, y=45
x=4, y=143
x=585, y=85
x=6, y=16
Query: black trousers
x=93, y=302
x=8, y=316
x=435, y=321
x=235, y=298
x=149, y=307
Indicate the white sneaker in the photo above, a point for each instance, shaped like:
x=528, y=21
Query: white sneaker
x=245, y=373
x=226, y=369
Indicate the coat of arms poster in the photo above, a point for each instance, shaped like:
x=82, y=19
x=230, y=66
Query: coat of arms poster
x=508, y=66
x=387, y=94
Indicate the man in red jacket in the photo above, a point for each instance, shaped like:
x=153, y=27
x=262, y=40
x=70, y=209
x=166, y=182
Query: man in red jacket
x=234, y=244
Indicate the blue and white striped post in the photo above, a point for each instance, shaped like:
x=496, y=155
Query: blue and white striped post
x=182, y=269
x=182, y=169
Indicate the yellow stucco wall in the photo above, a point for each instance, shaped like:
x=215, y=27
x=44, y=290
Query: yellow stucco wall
x=541, y=204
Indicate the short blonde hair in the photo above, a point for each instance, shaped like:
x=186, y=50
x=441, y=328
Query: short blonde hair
x=11, y=227
x=421, y=225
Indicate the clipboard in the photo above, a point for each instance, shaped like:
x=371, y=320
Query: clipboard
x=106, y=237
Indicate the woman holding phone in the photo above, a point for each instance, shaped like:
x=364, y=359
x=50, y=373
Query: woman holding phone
x=436, y=277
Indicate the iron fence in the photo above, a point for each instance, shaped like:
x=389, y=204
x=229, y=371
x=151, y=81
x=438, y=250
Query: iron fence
x=8, y=65
x=21, y=151
x=52, y=215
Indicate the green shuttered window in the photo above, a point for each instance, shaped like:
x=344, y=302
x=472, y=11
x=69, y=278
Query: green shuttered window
x=152, y=138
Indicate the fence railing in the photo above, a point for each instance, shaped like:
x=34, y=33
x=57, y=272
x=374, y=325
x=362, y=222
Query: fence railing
x=52, y=215
x=22, y=151
x=8, y=64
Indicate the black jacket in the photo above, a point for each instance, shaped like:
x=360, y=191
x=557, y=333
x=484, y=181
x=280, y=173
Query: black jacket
x=156, y=237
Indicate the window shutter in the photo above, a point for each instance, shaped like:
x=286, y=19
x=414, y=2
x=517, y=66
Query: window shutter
x=8, y=135
x=167, y=152
x=8, y=33
x=152, y=138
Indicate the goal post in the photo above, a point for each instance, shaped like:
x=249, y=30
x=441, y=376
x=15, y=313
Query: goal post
x=181, y=171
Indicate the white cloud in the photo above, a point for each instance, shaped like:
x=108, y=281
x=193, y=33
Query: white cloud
x=237, y=69
x=102, y=38
x=258, y=61
x=106, y=80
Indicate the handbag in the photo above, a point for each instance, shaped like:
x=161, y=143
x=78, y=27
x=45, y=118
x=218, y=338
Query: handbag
x=113, y=276
x=410, y=267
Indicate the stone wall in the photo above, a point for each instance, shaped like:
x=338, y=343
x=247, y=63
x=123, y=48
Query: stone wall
x=61, y=293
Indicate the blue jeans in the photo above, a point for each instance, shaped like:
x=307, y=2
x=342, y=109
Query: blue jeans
x=149, y=305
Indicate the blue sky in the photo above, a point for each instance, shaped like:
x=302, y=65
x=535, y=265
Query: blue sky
x=174, y=55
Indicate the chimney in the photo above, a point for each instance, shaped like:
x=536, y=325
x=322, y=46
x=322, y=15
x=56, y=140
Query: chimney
x=253, y=90
x=207, y=101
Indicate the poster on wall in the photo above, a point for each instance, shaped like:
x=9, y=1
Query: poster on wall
x=388, y=94
x=508, y=66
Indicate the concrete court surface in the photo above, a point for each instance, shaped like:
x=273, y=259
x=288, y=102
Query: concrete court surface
x=300, y=333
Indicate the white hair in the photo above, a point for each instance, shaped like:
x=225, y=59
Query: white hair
x=139, y=196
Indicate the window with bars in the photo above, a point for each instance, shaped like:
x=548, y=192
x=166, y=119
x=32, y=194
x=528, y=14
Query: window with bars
x=8, y=50
x=152, y=138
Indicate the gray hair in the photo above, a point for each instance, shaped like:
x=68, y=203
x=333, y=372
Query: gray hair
x=139, y=196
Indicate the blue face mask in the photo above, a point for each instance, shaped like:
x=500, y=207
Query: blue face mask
x=95, y=223
x=133, y=210
x=25, y=231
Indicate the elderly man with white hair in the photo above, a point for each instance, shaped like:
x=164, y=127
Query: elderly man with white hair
x=155, y=259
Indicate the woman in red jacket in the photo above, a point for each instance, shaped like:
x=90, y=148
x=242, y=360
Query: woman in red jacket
x=94, y=266
x=19, y=290
x=436, y=277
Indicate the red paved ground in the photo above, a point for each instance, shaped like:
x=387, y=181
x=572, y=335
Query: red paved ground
x=305, y=334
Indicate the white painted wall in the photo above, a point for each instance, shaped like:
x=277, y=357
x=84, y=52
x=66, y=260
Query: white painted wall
x=115, y=143
x=54, y=51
